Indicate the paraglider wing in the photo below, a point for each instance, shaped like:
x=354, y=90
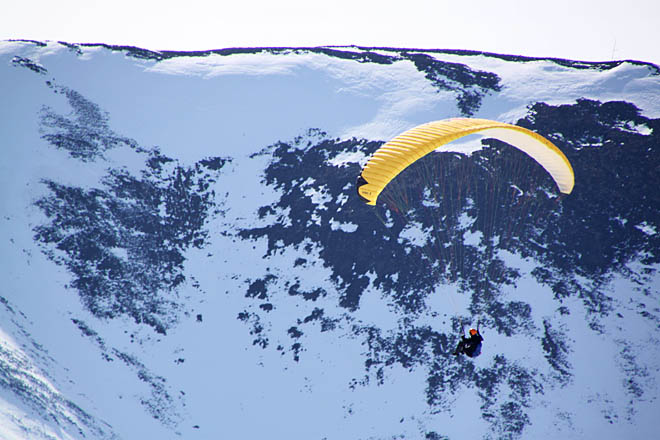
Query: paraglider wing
x=394, y=156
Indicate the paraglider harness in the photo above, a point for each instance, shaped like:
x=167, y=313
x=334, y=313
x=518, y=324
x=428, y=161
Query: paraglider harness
x=471, y=347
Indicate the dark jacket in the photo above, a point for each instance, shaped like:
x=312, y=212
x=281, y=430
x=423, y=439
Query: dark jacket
x=472, y=345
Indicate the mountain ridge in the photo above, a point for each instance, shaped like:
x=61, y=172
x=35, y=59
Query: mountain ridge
x=159, y=55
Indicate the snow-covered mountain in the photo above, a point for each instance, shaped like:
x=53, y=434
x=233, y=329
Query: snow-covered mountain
x=185, y=256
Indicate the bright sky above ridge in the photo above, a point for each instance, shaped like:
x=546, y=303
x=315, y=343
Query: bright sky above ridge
x=589, y=30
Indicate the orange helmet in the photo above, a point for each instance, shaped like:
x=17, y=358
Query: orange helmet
x=473, y=332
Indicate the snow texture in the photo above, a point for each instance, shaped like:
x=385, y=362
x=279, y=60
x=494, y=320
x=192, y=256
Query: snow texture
x=186, y=256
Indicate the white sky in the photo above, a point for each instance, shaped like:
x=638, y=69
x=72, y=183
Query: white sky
x=590, y=30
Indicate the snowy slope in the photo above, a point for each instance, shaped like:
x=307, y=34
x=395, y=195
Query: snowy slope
x=185, y=256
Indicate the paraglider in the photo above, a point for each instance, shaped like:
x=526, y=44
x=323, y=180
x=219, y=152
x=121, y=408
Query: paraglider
x=396, y=155
x=453, y=192
x=471, y=347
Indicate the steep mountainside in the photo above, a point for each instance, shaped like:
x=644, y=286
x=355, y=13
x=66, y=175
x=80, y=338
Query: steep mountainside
x=188, y=257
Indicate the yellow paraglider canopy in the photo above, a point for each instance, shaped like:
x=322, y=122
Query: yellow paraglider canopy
x=394, y=156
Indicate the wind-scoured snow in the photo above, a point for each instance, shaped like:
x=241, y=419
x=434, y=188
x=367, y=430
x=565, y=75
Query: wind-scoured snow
x=186, y=257
x=32, y=403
